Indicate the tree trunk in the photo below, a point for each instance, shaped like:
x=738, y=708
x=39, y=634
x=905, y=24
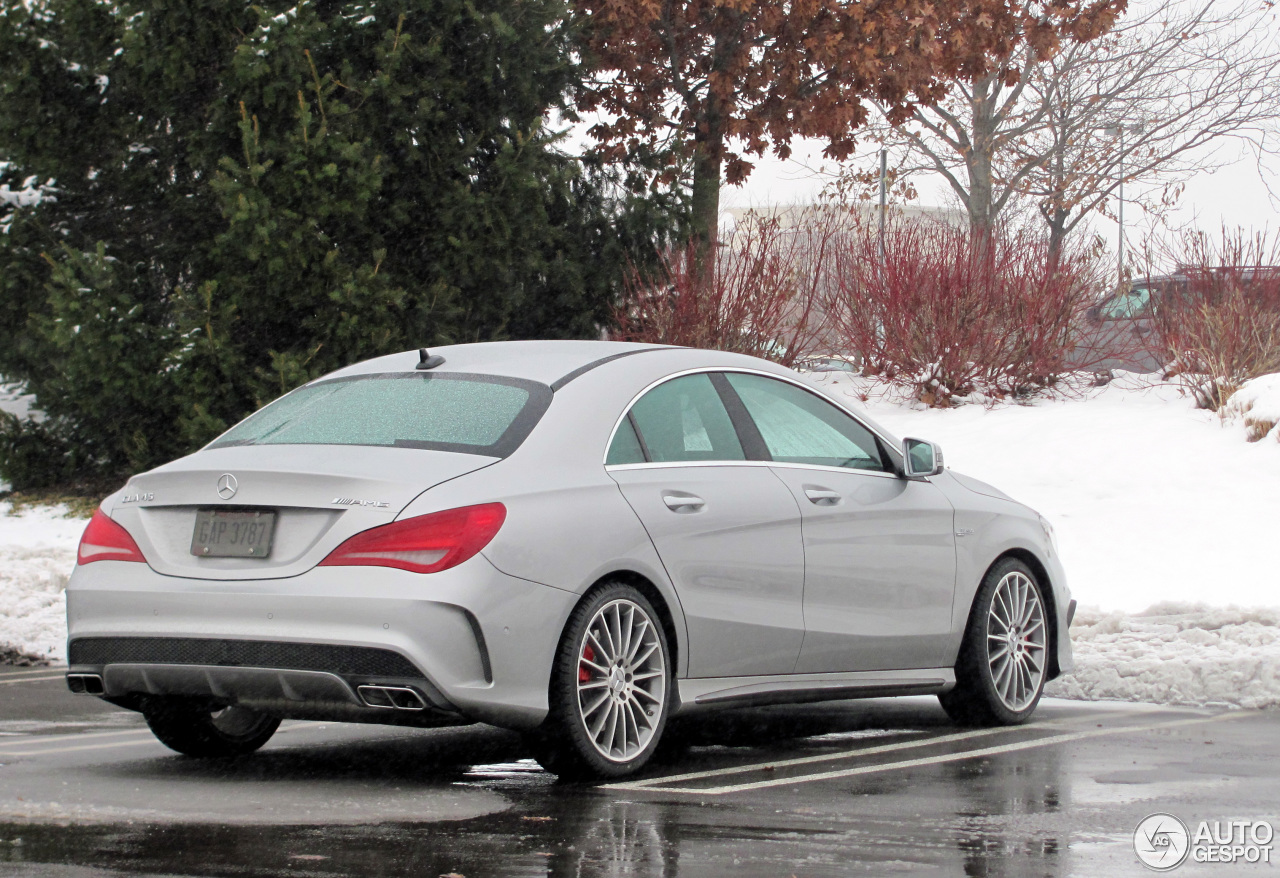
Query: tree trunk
x=705, y=207
x=979, y=162
x=708, y=145
x=1057, y=220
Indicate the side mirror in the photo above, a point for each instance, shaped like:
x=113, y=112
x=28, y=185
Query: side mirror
x=920, y=458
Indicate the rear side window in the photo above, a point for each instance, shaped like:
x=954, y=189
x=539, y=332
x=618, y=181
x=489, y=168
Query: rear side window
x=474, y=414
x=683, y=420
x=799, y=427
x=1127, y=305
x=625, y=447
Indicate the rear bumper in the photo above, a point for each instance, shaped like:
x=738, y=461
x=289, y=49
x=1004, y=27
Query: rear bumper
x=473, y=643
x=283, y=693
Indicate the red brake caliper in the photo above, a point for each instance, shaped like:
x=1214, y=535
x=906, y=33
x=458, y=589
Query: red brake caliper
x=588, y=655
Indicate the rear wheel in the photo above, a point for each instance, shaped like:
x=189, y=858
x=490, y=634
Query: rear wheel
x=610, y=688
x=196, y=728
x=1000, y=673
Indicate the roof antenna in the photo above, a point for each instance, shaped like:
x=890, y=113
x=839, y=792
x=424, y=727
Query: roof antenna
x=428, y=361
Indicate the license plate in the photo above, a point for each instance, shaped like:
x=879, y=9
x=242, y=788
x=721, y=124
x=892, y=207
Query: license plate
x=222, y=533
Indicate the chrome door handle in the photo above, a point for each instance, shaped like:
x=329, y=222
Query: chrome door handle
x=683, y=502
x=822, y=497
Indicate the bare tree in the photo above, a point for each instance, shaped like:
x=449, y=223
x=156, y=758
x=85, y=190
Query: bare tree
x=1067, y=128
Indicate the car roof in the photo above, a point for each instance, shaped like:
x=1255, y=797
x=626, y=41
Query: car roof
x=546, y=362
x=558, y=362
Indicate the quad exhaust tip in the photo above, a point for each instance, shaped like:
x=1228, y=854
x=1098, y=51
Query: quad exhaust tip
x=394, y=697
x=85, y=684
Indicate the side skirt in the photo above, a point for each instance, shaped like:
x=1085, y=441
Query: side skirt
x=711, y=692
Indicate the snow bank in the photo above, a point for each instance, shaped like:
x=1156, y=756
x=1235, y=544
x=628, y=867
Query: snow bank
x=37, y=553
x=13, y=400
x=16, y=403
x=1257, y=404
x=1176, y=654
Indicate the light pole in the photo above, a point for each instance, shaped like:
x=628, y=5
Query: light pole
x=1114, y=131
x=884, y=185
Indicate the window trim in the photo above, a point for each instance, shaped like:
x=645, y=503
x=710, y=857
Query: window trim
x=623, y=467
x=887, y=443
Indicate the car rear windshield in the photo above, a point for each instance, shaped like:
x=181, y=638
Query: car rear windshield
x=473, y=414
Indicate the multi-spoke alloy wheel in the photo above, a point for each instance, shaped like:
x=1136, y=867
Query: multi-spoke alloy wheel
x=610, y=687
x=622, y=680
x=1004, y=657
x=1016, y=641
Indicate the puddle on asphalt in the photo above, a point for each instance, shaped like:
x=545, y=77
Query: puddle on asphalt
x=499, y=776
x=995, y=818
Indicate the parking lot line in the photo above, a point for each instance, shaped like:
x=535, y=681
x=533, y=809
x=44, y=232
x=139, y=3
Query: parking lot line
x=145, y=737
x=8, y=679
x=5, y=753
x=655, y=784
x=851, y=754
x=30, y=739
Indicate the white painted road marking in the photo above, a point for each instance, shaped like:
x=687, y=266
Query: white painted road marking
x=832, y=757
x=8, y=679
x=79, y=736
x=655, y=784
x=145, y=737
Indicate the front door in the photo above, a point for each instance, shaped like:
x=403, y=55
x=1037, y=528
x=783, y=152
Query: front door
x=879, y=550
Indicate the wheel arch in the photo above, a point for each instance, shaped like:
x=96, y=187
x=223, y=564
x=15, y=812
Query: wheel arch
x=1046, y=591
x=654, y=596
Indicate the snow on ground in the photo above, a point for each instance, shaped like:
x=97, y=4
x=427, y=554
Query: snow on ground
x=37, y=552
x=1167, y=520
x=1152, y=499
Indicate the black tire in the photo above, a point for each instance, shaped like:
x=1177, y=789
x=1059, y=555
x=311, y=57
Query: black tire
x=196, y=728
x=565, y=744
x=977, y=698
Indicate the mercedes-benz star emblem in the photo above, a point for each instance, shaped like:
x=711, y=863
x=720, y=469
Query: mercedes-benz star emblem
x=227, y=486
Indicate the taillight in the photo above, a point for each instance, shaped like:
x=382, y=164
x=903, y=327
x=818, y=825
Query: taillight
x=424, y=544
x=104, y=540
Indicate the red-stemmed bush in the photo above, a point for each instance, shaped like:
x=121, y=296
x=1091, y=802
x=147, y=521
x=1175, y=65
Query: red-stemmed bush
x=947, y=316
x=1218, y=319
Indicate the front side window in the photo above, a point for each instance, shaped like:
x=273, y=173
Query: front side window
x=680, y=420
x=799, y=427
x=475, y=414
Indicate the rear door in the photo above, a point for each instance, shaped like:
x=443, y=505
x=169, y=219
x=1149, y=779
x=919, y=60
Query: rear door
x=879, y=550
x=727, y=530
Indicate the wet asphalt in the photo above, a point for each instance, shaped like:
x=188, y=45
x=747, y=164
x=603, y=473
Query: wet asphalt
x=884, y=787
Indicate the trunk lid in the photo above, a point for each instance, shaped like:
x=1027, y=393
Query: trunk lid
x=320, y=494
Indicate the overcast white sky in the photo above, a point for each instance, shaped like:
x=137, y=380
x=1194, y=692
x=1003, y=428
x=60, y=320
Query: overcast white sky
x=1230, y=189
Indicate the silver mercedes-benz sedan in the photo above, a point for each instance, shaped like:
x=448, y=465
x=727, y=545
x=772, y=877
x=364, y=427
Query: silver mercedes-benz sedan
x=578, y=540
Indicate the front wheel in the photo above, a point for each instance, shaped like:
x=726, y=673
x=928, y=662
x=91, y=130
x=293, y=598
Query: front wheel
x=610, y=688
x=196, y=728
x=1001, y=669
